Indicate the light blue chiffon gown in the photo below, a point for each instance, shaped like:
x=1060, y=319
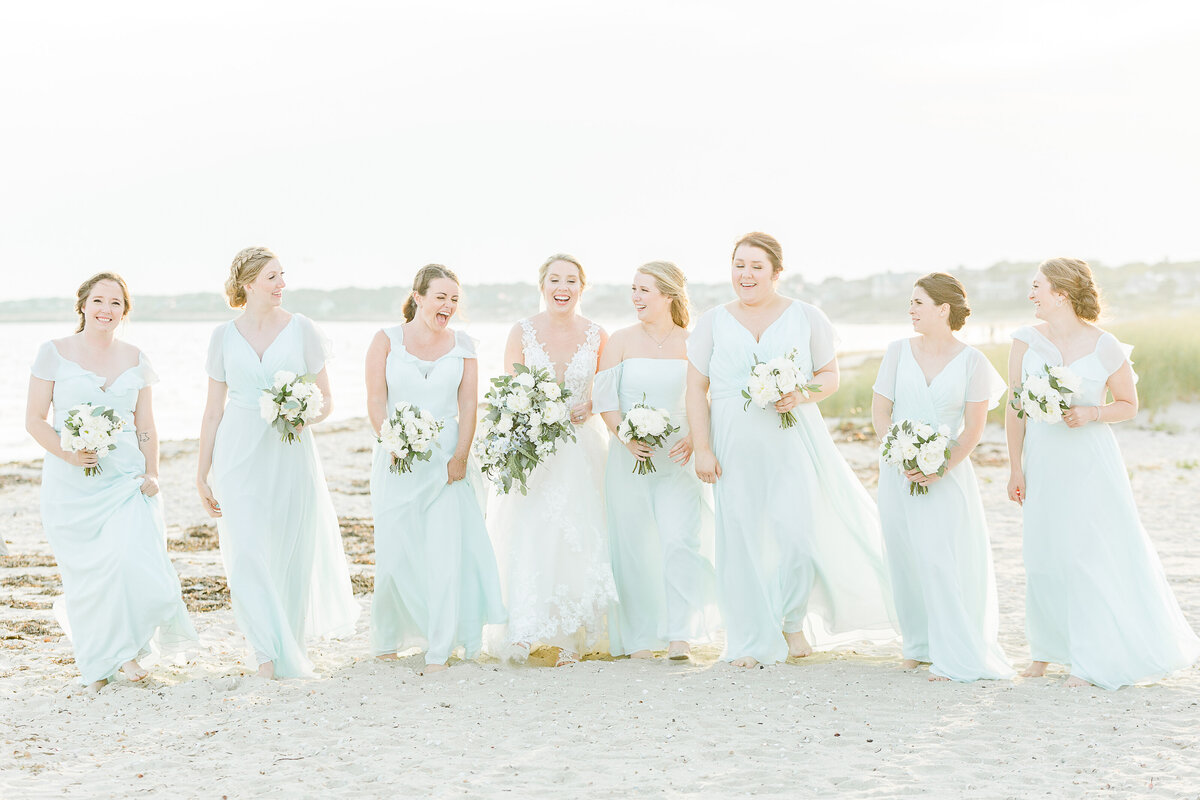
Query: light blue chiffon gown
x=798, y=541
x=937, y=543
x=121, y=594
x=660, y=525
x=436, y=582
x=279, y=534
x=1096, y=596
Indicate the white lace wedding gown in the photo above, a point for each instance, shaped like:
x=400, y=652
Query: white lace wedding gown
x=552, y=544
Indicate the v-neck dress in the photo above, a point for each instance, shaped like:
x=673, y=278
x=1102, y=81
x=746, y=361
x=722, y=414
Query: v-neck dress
x=798, y=540
x=279, y=534
x=1096, y=597
x=660, y=525
x=436, y=583
x=938, y=549
x=121, y=597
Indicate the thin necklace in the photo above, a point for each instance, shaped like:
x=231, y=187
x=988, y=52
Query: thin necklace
x=656, y=341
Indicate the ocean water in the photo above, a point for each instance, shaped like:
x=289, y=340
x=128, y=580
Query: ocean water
x=178, y=349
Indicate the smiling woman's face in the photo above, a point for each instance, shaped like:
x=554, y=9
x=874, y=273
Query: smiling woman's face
x=753, y=275
x=562, y=286
x=104, y=307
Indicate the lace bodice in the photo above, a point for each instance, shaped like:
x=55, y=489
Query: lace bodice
x=579, y=370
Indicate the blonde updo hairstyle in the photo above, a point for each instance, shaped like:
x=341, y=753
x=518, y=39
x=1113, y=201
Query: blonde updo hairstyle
x=85, y=289
x=1073, y=278
x=768, y=244
x=545, y=268
x=425, y=276
x=244, y=271
x=945, y=289
x=671, y=282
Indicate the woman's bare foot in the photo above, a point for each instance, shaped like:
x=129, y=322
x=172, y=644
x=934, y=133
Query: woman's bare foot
x=798, y=646
x=679, y=651
x=745, y=663
x=133, y=670
x=641, y=654
x=430, y=669
x=1036, y=669
x=937, y=678
x=1075, y=682
x=518, y=652
x=266, y=670
x=566, y=658
x=96, y=686
x=909, y=663
x=388, y=657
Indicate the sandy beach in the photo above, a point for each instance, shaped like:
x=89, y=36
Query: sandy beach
x=850, y=724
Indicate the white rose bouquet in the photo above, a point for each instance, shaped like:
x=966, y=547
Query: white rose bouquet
x=291, y=402
x=771, y=380
x=92, y=428
x=409, y=435
x=1045, y=396
x=525, y=417
x=649, y=425
x=913, y=445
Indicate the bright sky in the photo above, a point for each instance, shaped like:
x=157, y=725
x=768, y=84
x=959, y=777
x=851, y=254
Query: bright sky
x=360, y=140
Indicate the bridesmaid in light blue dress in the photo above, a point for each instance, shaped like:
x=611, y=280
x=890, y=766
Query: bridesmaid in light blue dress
x=122, y=597
x=279, y=534
x=937, y=543
x=799, y=550
x=660, y=525
x=1096, y=599
x=436, y=582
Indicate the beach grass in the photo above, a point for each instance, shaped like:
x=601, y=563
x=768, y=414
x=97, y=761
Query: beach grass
x=1166, y=357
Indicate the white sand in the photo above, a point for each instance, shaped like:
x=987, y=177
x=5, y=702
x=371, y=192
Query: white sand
x=850, y=724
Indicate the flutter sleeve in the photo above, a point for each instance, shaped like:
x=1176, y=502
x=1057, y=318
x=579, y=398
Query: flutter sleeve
x=149, y=376
x=45, y=363
x=317, y=347
x=605, y=394
x=1114, y=354
x=214, y=365
x=984, y=383
x=465, y=345
x=885, y=381
x=823, y=340
x=700, y=343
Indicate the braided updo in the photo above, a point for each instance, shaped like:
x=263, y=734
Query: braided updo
x=244, y=270
x=1073, y=278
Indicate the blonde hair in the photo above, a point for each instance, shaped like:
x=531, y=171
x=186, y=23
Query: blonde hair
x=945, y=289
x=671, y=281
x=768, y=244
x=244, y=270
x=85, y=289
x=1073, y=277
x=545, y=268
x=425, y=276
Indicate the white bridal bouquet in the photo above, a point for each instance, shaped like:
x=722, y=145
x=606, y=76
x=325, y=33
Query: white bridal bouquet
x=916, y=445
x=771, y=380
x=1045, y=395
x=409, y=436
x=92, y=428
x=525, y=417
x=290, y=403
x=649, y=425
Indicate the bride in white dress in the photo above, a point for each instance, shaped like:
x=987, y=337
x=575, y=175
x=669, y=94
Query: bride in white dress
x=552, y=544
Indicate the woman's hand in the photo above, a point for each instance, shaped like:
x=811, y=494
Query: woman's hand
x=581, y=411
x=82, y=458
x=208, y=501
x=641, y=451
x=707, y=467
x=788, y=402
x=920, y=478
x=456, y=469
x=149, y=485
x=1016, y=487
x=1078, y=416
x=681, y=453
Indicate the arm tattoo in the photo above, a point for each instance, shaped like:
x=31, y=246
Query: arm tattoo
x=143, y=436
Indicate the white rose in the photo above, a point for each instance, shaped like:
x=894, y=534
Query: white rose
x=267, y=408
x=525, y=379
x=908, y=451
x=518, y=401
x=931, y=458
x=535, y=432
x=1067, y=378
x=283, y=378
x=554, y=413
x=505, y=423
x=1037, y=385
x=923, y=430
x=551, y=389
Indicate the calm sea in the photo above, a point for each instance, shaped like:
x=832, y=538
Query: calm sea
x=177, y=351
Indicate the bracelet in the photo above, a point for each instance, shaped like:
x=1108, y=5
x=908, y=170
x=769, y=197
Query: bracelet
x=1097, y=413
